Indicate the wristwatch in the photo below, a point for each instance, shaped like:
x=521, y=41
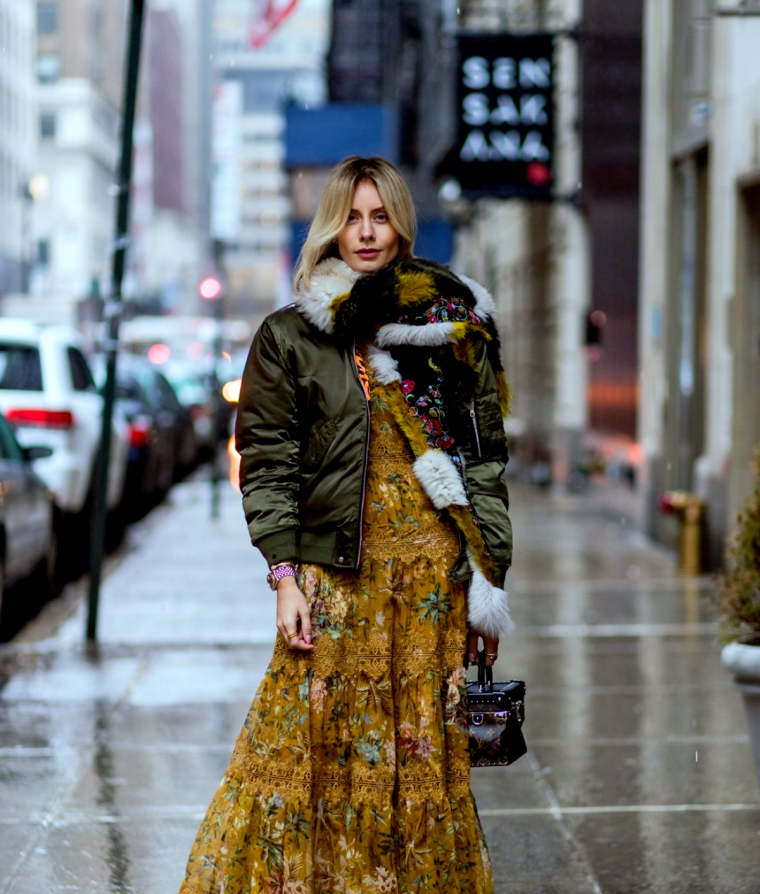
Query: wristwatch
x=280, y=570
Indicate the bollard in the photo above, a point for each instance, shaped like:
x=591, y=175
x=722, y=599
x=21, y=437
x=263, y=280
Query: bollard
x=689, y=509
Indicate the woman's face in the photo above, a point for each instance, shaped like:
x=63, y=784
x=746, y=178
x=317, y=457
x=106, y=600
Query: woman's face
x=367, y=242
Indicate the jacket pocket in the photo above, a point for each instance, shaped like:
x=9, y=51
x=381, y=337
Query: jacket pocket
x=320, y=439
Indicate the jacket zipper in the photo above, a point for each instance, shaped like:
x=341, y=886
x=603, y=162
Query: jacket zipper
x=366, y=461
x=475, y=427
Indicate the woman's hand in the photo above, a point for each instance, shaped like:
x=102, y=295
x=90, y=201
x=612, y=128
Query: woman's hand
x=293, y=615
x=490, y=644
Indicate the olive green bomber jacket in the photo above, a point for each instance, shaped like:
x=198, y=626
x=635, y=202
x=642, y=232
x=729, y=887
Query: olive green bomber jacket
x=302, y=431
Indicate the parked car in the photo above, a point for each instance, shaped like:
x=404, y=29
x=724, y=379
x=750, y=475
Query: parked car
x=152, y=437
x=27, y=530
x=159, y=395
x=48, y=394
x=194, y=389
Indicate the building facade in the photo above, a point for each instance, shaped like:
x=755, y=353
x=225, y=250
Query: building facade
x=17, y=142
x=79, y=72
x=564, y=272
x=168, y=248
x=699, y=331
x=533, y=256
x=286, y=66
x=79, y=55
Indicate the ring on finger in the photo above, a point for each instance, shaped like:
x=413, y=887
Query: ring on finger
x=293, y=634
x=492, y=655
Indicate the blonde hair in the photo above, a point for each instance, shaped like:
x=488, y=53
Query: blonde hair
x=335, y=205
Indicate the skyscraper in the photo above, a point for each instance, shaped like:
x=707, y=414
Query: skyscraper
x=17, y=137
x=79, y=67
x=287, y=67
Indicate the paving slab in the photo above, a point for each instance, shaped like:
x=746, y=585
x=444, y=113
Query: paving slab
x=694, y=852
x=639, y=776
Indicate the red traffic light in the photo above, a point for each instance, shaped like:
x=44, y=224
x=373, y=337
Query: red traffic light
x=210, y=288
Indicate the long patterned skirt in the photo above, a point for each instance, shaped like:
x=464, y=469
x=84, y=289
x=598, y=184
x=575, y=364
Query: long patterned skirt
x=352, y=771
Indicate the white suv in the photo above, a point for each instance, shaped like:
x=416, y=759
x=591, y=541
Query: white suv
x=48, y=394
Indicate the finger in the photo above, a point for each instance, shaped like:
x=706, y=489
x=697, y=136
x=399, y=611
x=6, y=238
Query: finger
x=472, y=646
x=288, y=625
x=300, y=642
x=491, y=646
x=300, y=645
x=305, y=617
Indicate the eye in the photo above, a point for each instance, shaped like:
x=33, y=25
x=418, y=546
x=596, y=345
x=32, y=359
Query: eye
x=382, y=217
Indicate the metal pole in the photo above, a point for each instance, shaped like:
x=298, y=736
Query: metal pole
x=112, y=313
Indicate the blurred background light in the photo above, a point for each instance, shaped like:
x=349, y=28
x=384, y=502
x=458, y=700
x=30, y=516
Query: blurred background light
x=231, y=391
x=159, y=353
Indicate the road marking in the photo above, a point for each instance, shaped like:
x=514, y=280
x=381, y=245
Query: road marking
x=639, y=740
x=196, y=813
x=571, y=631
x=617, y=808
x=613, y=584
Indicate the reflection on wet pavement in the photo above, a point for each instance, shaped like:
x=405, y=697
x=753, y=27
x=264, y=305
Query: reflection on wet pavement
x=639, y=777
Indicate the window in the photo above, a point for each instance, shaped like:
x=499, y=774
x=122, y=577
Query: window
x=9, y=446
x=168, y=396
x=48, y=68
x=127, y=388
x=43, y=252
x=47, y=126
x=47, y=18
x=81, y=377
x=20, y=368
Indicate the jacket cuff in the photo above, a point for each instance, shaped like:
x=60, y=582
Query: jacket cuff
x=282, y=546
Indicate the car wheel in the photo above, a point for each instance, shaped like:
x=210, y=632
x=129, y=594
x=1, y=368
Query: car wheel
x=3, y=607
x=51, y=560
x=72, y=545
x=47, y=570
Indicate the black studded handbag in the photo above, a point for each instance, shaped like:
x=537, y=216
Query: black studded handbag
x=495, y=714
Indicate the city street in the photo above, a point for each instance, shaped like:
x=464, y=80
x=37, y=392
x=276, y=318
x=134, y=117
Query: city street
x=638, y=779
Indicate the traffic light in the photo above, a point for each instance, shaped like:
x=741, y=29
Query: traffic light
x=210, y=288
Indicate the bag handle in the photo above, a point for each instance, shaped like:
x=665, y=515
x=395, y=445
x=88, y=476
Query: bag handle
x=485, y=673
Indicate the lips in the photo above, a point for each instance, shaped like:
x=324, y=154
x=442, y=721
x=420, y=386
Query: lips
x=368, y=252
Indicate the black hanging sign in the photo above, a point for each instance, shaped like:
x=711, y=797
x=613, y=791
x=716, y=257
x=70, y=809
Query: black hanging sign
x=505, y=110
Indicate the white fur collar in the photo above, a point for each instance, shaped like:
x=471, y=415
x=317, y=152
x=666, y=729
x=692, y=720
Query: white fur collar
x=329, y=279
x=333, y=277
x=485, y=306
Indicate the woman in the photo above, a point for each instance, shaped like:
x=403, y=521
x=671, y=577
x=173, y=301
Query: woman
x=370, y=428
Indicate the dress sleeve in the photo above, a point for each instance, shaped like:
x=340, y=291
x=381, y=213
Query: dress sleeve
x=266, y=436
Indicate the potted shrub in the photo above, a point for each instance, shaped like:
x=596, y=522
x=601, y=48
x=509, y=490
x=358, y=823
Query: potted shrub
x=739, y=605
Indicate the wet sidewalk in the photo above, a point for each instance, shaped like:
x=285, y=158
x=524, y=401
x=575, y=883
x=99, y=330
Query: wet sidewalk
x=639, y=777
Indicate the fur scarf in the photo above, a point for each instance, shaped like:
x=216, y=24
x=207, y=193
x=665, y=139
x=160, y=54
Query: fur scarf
x=426, y=325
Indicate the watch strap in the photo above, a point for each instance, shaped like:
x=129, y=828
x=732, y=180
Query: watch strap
x=279, y=571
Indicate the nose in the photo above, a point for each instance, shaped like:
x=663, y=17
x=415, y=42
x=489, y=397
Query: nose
x=367, y=233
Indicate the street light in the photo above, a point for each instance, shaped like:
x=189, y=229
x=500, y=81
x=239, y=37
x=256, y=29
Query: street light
x=36, y=189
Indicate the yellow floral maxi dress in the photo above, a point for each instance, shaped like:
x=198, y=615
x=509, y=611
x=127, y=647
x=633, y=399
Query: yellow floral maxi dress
x=352, y=771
